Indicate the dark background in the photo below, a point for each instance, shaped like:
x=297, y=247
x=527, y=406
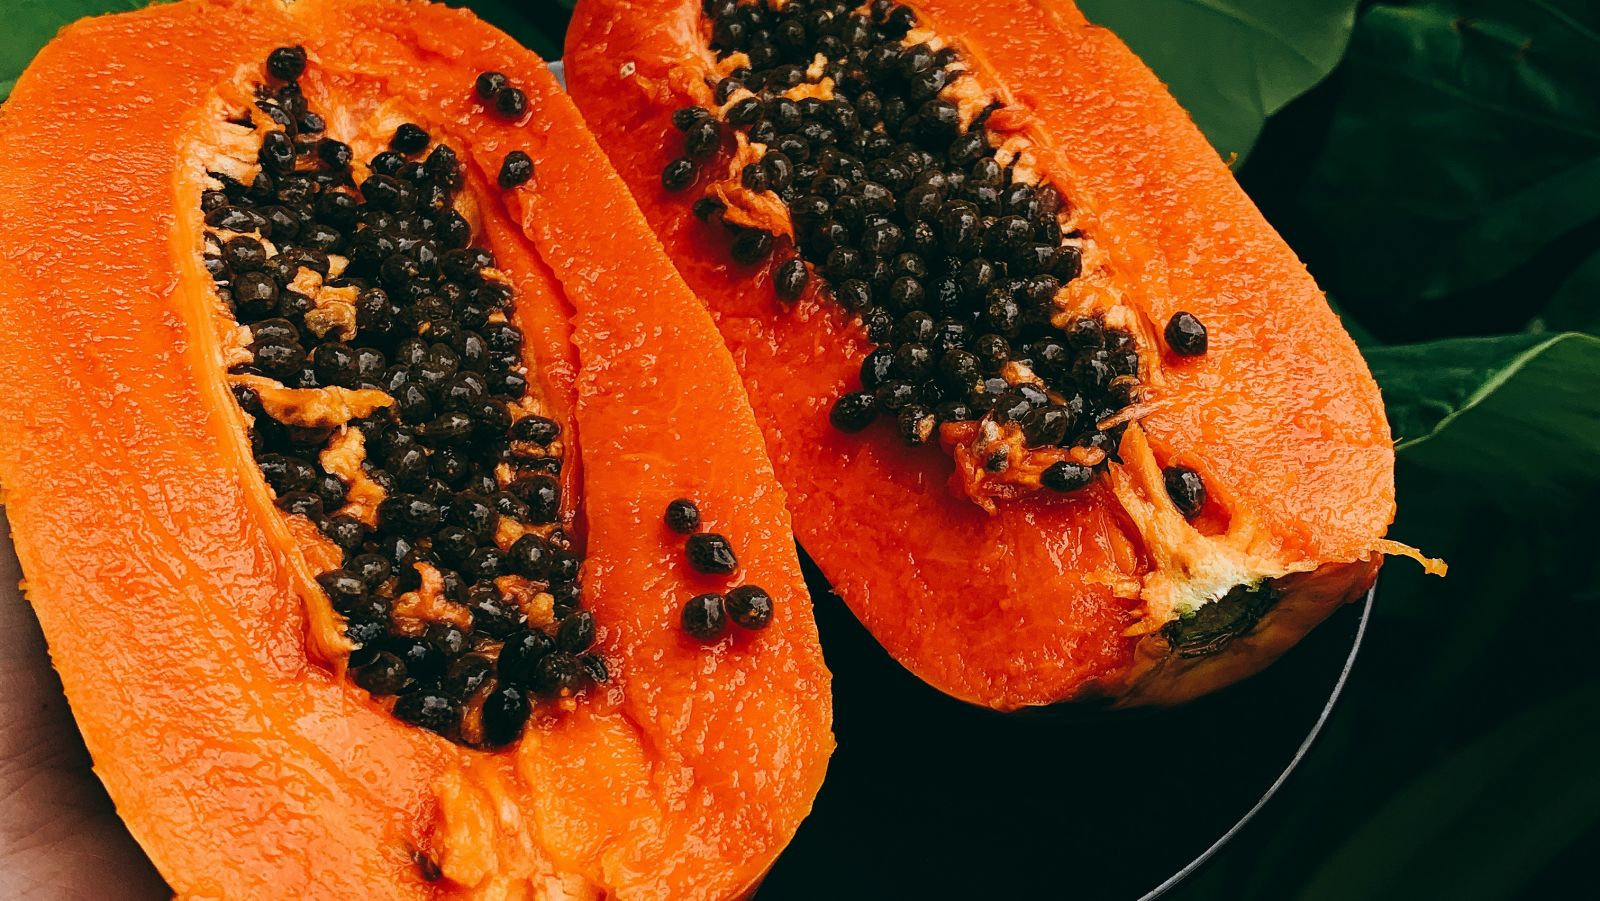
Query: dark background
x=1437, y=165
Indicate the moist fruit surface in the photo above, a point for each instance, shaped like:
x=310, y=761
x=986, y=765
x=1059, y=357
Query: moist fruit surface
x=358, y=489
x=1049, y=396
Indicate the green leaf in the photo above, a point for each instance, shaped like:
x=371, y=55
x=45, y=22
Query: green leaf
x=1518, y=415
x=1492, y=816
x=1232, y=63
x=1576, y=304
x=1466, y=141
x=538, y=26
x=30, y=24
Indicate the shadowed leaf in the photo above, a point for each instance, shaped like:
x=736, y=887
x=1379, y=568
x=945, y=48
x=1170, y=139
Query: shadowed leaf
x=1488, y=818
x=1519, y=415
x=1232, y=63
x=1464, y=149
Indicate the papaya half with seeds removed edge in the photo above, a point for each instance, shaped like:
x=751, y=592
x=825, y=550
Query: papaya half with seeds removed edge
x=1059, y=414
x=198, y=324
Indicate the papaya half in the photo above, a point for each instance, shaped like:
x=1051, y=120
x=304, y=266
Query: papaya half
x=393, y=510
x=1059, y=414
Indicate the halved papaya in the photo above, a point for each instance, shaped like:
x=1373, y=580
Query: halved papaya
x=1059, y=414
x=345, y=399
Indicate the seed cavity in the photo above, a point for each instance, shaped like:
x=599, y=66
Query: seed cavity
x=911, y=215
x=390, y=409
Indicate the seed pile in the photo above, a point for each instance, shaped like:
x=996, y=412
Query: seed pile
x=467, y=541
x=705, y=616
x=909, y=220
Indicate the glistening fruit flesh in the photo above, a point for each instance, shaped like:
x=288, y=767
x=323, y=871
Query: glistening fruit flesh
x=1026, y=596
x=195, y=643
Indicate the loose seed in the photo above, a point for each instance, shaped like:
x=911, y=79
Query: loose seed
x=685, y=118
x=576, y=633
x=1186, y=335
x=679, y=174
x=682, y=516
x=409, y=138
x=287, y=63
x=594, y=666
x=558, y=675
x=916, y=423
x=510, y=102
x=749, y=606
x=751, y=246
x=854, y=412
x=515, y=170
x=1186, y=489
x=505, y=713
x=791, y=279
x=536, y=429
x=1066, y=477
x=336, y=154
x=489, y=84
x=277, y=153
x=521, y=654
x=383, y=675
x=704, y=617
x=429, y=710
x=711, y=553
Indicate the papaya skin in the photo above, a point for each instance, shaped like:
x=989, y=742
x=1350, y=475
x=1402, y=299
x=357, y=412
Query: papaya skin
x=1048, y=599
x=175, y=606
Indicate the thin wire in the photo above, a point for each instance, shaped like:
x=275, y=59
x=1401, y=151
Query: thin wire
x=1305, y=746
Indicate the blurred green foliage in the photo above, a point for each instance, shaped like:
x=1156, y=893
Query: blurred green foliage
x=1437, y=164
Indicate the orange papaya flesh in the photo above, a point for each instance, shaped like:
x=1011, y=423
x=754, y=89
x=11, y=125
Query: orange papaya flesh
x=205, y=662
x=1228, y=479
